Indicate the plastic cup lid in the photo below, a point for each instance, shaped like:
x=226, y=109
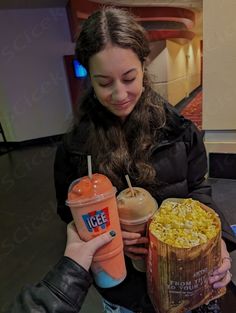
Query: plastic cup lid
x=90, y=200
x=137, y=221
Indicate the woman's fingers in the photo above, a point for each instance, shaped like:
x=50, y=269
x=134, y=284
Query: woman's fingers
x=225, y=266
x=222, y=283
x=100, y=241
x=131, y=248
x=141, y=240
x=222, y=276
x=226, y=260
x=221, y=273
x=217, y=278
x=136, y=250
x=131, y=239
x=128, y=235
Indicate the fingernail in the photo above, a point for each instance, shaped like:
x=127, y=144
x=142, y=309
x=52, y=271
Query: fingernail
x=112, y=233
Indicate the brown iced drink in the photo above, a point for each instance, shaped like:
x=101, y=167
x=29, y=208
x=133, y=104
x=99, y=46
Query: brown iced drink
x=134, y=212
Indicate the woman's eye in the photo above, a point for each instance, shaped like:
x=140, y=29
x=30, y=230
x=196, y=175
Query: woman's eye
x=130, y=80
x=125, y=81
x=104, y=84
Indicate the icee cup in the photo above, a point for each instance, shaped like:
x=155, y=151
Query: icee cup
x=135, y=211
x=94, y=209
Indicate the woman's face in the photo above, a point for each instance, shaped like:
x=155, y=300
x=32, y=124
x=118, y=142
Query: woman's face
x=117, y=78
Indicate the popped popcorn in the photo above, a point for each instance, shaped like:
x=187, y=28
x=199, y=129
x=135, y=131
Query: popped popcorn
x=185, y=224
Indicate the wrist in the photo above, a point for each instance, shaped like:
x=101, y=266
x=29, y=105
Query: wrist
x=76, y=257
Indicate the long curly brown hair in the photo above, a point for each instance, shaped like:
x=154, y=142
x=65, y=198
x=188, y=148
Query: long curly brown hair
x=119, y=148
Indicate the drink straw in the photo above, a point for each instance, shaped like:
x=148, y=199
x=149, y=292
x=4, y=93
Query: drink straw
x=129, y=184
x=90, y=175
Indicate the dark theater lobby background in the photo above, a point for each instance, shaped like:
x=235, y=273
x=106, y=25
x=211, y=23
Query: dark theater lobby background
x=41, y=84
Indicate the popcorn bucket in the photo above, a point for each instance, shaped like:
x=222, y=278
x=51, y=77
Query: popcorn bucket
x=179, y=267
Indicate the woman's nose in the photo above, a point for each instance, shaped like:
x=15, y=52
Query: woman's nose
x=119, y=92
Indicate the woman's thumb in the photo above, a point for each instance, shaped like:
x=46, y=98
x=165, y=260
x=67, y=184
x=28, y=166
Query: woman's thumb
x=101, y=240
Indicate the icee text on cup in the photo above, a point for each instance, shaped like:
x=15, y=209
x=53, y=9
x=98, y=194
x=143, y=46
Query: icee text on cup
x=97, y=220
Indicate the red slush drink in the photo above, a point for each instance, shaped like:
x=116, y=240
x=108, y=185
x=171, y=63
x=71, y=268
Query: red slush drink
x=94, y=209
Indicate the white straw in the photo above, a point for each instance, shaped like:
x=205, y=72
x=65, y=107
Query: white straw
x=129, y=184
x=90, y=174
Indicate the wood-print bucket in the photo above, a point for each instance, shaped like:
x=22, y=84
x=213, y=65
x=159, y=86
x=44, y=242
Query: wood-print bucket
x=178, y=277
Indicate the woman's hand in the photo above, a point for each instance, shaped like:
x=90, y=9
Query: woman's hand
x=222, y=276
x=131, y=242
x=80, y=251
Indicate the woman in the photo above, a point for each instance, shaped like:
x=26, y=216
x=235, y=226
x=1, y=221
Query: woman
x=129, y=129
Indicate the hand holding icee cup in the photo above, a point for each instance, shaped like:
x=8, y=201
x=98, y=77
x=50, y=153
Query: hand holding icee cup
x=93, y=206
x=75, y=245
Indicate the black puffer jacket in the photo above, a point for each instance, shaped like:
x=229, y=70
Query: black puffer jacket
x=181, y=165
x=62, y=290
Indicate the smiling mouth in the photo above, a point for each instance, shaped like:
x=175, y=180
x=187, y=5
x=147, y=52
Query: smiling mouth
x=123, y=105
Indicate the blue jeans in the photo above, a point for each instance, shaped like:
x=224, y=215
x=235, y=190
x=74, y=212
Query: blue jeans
x=109, y=307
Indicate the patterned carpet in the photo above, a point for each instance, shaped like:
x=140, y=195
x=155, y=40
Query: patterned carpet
x=193, y=110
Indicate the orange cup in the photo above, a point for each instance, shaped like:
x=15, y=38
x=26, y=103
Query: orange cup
x=93, y=206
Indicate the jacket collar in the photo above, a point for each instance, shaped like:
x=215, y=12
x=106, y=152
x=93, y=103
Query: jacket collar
x=173, y=129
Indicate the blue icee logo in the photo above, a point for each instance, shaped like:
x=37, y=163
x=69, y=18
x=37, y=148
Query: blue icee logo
x=97, y=220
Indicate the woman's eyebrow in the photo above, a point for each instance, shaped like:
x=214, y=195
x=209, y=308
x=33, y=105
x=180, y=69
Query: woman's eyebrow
x=129, y=71
x=102, y=76
x=107, y=76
